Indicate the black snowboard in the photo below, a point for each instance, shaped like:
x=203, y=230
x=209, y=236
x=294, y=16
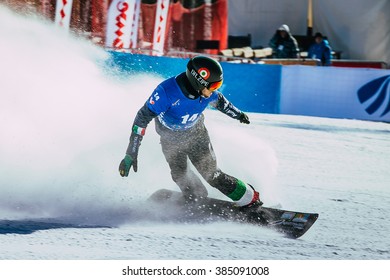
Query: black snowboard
x=291, y=223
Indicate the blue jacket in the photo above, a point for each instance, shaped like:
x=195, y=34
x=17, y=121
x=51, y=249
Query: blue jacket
x=177, y=110
x=321, y=51
x=174, y=110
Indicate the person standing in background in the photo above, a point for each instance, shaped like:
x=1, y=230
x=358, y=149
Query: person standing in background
x=321, y=50
x=283, y=44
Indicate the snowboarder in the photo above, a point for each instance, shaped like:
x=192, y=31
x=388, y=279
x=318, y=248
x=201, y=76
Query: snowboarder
x=177, y=105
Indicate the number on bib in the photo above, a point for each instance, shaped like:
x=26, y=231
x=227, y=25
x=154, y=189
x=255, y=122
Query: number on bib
x=187, y=118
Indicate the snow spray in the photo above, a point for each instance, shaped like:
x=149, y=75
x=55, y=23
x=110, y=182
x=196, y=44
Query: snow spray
x=65, y=125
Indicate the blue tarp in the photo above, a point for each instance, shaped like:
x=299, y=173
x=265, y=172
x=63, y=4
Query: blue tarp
x=251, y=87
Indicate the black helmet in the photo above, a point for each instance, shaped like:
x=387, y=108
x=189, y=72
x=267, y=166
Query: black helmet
x=204, y=72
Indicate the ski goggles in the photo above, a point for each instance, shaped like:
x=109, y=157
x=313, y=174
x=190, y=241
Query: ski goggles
x=215, y=85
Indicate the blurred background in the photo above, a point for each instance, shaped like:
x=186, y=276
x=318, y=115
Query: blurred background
x=356, y=29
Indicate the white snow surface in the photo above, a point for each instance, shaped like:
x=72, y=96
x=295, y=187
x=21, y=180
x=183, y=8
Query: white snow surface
x=65, y=125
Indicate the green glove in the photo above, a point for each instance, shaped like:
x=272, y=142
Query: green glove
x=126, y=164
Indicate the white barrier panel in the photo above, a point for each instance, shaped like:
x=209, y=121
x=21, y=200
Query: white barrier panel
x=63, y=13
x=336, y=92
x=121, y=23
x=160, y=26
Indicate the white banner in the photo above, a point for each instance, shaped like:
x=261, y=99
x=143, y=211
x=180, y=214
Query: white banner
x=135, y=24
x=160, y=26
x=121, y=23
x=336, y=92
x=63, y=13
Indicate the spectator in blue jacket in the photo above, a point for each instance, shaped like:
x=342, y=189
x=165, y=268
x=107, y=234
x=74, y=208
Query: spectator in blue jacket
x=321, y=50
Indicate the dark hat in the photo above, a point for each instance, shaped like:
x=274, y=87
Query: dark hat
x=318, y=34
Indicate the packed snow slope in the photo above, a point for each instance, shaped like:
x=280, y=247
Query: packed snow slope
x=65, y=122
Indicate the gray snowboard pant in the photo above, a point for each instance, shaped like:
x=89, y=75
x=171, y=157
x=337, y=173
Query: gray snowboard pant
x=193, y=144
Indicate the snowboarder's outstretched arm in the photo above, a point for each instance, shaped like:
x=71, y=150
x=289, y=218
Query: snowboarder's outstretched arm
x=226, y=107
x=141, y=121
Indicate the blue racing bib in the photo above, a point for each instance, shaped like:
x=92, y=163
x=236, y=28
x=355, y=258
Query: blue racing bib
x=173, y=109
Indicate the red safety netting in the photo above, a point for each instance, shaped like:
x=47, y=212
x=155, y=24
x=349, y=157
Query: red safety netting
x=187, y=26
x=188, y=21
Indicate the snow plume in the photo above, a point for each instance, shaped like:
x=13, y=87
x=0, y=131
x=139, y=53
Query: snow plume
x=65, y=125
x=242, y=153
